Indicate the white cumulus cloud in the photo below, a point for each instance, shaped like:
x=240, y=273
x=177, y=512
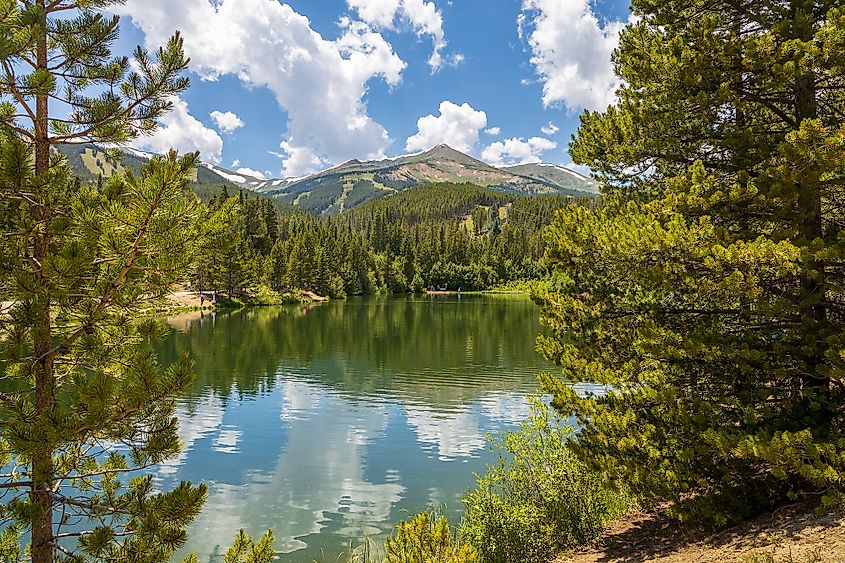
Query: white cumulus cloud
x=550, y=129
x=180, y=130
x=493, y=131
x=299, y=160
x=320, y=83
x=517, y=151
x=571, y=52
x=227, y=121
x=424, y=18
x=457, y=126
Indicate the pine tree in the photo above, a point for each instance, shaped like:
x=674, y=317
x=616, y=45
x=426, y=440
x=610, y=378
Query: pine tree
x=215, y=245
x=277, y=264
x=271, y=222
x=301, y=264
x=705, y=297
x=79, y=262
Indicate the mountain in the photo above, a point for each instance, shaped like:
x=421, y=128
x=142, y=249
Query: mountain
x=354, y=182
x=554, y=174
x=89, y=162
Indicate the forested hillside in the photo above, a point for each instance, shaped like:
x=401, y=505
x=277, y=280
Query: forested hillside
x=451, y=236
x=352, y=183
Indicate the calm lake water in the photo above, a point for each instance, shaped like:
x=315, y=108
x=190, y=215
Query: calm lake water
x=333, y=422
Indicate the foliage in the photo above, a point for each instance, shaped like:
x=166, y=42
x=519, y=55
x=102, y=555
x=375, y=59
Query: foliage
x=266, y=296
x=109, y=252
x=423, y=538
x=427, y=537
x=84, y=400
x=538, y=497
x=403, y=243
x=705, y=297
x=245, y=550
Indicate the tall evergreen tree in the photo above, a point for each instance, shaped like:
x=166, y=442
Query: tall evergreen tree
x=78, y=262
x=277, y=263
x=215, y=246
x=705, y=297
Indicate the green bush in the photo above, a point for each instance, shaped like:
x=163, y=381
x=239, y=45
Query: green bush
x=427, y=538
x=246, y=550
x=424, y=538
x=538, y=497
x=264, y=295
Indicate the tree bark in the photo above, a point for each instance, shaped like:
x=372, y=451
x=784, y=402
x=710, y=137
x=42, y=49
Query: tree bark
x=42, y=462
x=813, y=282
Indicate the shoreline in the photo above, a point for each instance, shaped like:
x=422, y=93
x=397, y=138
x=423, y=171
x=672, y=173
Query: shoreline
x=791, y=534
x=182, y=301
x=188, y=301
x=179, y=302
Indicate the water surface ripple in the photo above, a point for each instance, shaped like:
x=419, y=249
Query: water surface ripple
x=331, y=423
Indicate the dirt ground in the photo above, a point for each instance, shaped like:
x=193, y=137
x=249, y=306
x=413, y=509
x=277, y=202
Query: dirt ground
x=790, y=535
x=187, y=299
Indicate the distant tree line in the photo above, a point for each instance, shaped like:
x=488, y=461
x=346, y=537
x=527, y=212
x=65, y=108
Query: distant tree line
x=443, y=235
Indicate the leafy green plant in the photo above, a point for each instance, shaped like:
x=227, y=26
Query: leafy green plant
x=423, y=538
x=427, y=537
x=264, y=295
x=538, y=497
x=246, y=550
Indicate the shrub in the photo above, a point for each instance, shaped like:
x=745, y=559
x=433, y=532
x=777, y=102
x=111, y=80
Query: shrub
x=427, y=538
x=538, y=497
x=264, y=295
x=424, y=538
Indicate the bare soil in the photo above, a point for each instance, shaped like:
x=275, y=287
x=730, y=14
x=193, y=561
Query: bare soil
x=187, y=299
x=794, y=534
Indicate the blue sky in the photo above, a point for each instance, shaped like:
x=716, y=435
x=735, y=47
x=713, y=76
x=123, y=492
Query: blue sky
x=285, y=89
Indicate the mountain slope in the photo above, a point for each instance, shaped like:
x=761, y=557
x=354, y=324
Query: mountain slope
x=354, y=182
x=553, y=174
x=90, y=162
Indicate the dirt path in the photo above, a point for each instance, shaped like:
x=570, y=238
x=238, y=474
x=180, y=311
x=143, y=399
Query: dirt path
x=187, y=299
x=790, y=535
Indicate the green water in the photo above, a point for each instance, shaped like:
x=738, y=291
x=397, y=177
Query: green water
x=331, y=423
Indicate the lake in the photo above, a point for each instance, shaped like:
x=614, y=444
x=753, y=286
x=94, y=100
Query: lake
x=331, y=423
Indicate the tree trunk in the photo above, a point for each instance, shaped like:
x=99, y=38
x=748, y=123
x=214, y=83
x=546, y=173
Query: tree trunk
x=813, y=278
x=42, y=462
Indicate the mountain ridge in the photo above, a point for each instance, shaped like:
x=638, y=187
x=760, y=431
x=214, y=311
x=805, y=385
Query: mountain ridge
x=354, y=182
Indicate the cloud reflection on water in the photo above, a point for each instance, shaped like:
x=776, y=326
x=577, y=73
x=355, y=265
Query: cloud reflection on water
x=333, y=426
x=318, y=475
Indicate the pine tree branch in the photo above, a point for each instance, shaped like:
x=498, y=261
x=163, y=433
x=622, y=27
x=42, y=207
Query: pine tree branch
x=62, y=549
x=79, y=477
x=16, y=485
x=89, y=507
x=115, y=286
x=126, y=113
x=89, y=532
x=13, y=88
